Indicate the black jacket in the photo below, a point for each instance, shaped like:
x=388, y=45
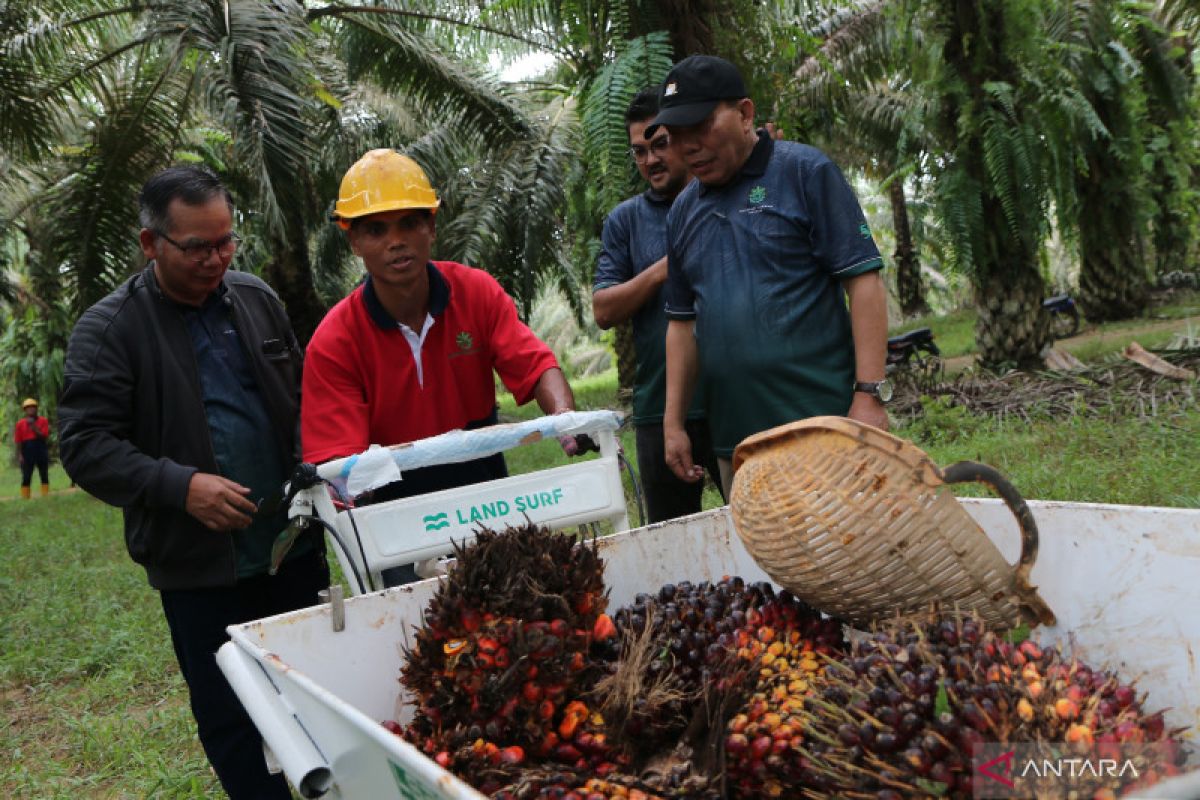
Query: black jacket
x=132, y=423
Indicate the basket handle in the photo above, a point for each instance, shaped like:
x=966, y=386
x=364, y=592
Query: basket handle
x=1032, y=606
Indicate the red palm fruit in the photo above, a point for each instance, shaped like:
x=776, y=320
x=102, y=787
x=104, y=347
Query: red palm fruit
x=393, y=727
x=577, y=662
x=736, y=744
x=1128, y=731
x=1079, y=734
x=531, y=692
x=512, y=755
x=470, y=620
x=760, y=747
x=443, y=759
x=603, y=629
x=547, y=745
x=506, y=711
x=1066, y=709
x=575, y=713
x=1030, y=650
x=546, y=710
x=1077, y=694
x=1124, y=696
x=567, y=753
x=560, y=628
x=585, y=603
x=501, y=658
x=486, y=644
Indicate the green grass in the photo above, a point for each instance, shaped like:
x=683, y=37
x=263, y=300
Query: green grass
x=954, y=333
x=93, y=703
x=10, y=487
x=1131, y=461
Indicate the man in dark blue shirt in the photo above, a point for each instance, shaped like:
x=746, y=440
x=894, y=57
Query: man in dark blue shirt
x=630, y=274
x=764, y=249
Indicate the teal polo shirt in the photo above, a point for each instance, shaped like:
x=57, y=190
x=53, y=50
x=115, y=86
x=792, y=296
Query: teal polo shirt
x=633, y=239
x=759, y=264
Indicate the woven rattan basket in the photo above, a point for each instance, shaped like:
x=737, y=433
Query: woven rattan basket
x=861, y=525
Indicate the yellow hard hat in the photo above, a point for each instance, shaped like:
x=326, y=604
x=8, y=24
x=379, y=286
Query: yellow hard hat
x=383, y=180
x=29, y=401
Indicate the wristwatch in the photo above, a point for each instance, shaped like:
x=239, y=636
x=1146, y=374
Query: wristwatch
x=880, y=390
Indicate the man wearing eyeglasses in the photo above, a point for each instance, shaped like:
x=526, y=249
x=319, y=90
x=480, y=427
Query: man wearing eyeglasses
x=180, y=404
x=630, y=274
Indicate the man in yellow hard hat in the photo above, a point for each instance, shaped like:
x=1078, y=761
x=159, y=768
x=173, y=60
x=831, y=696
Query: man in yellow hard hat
x=412, y=352
x=31, y=435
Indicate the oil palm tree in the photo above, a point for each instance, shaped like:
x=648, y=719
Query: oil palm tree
x=279, y=96
x=855, y=105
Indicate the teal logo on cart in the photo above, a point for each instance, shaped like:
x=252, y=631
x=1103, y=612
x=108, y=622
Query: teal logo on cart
x=522, y=503
x=410, y=788
x=435, y=522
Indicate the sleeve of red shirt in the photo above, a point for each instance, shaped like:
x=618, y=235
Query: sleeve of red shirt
x=334, y=416
x=518, y=355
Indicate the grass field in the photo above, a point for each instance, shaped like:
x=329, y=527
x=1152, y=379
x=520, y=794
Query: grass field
x=954, y=333
x=93, y=705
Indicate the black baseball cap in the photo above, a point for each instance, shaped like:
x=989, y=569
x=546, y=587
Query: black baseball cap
x=692, y=90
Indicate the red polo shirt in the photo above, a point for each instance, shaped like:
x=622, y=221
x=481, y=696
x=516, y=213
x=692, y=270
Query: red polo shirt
x=360, y=377
x=28, y=429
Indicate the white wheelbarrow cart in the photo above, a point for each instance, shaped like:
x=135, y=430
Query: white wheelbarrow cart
x=1124, y=583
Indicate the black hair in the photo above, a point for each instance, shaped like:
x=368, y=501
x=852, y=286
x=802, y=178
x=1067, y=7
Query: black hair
x=644, y=106
x=193, y=184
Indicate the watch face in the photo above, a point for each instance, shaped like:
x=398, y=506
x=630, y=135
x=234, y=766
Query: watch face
x=885, y=390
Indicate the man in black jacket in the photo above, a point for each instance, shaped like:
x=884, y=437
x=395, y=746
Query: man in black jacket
x=180, y=405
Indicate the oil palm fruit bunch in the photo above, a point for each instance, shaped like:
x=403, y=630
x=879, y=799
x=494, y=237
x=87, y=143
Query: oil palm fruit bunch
x=907, y=709
x=691, y=630
x=787, y=645
x=566, y=785
x=505, y=651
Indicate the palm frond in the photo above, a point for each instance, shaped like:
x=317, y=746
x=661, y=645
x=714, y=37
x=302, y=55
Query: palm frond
x=133, y=134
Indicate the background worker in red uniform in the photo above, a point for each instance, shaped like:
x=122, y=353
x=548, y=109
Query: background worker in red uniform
x=413, y=351
x=32, y=435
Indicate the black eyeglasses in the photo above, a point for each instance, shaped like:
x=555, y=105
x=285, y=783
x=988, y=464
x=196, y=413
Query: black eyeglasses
x=199, y=251
x=658, y=146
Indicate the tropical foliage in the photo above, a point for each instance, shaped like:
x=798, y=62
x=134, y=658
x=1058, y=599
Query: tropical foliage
x=987, y=126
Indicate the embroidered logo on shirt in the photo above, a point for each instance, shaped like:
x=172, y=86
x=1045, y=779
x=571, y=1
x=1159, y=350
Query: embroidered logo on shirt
x=758, y=194
x=865, y=231
x=464, y=341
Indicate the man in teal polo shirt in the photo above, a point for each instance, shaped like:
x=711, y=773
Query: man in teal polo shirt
x=630, y=274
x=764, y=249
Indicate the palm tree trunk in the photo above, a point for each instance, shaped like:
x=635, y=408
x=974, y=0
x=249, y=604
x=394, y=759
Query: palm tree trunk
x=1113, y=283
x=1012, y=329
x=690, y=25
x=290, y=274
x=908, y=266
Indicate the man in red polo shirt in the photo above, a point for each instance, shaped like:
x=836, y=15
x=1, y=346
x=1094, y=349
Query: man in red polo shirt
x=31, y=434
x=412, y=351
